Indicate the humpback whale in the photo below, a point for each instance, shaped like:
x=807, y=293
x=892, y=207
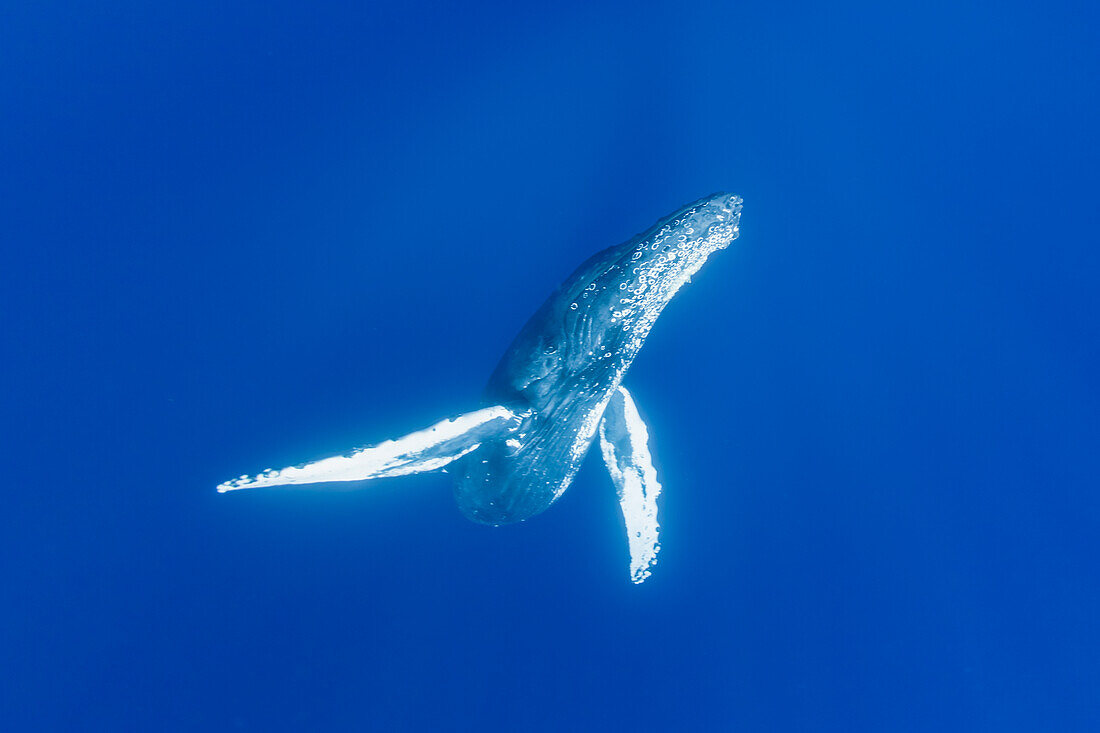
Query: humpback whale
x=557, y=386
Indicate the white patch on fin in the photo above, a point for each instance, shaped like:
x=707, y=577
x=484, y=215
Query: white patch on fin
x=425, y=450
x=624, y=443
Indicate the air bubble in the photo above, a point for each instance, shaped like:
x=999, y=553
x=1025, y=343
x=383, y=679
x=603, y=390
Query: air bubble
x=573, y=306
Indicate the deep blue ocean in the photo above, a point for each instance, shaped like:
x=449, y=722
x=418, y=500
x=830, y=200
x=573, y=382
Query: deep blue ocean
x=238, y=236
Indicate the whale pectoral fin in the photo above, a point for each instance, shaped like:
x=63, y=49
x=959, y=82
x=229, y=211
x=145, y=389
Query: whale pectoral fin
x=624, y=443
x=425, y=450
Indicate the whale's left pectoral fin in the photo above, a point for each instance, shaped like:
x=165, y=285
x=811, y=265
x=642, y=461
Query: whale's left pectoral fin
x=425, y=450
x=624, y=443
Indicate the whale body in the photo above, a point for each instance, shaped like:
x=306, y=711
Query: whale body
x=557, y=386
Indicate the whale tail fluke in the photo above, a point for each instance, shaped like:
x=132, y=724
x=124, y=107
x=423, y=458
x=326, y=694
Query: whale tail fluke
x=425, y=450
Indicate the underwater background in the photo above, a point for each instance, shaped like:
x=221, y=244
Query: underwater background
x=237, y=236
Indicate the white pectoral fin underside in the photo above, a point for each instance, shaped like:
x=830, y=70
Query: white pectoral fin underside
x=425, y=450
x=624, y=442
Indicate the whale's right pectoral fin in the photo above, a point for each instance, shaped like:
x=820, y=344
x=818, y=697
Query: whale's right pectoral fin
x=624, y=442
x=426, y=450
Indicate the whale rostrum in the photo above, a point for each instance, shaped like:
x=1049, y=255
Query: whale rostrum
x=558, y=385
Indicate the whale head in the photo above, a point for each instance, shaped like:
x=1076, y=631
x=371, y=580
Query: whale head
x=655, y=265
x=598, y=318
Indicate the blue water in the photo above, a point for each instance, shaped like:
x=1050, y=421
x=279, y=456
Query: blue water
x=246, y=236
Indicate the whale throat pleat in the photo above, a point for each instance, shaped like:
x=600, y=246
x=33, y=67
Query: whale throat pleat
x=624, y=441
x=425, y=450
